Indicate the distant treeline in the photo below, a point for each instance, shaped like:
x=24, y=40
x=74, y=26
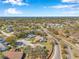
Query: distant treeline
x=39, y=18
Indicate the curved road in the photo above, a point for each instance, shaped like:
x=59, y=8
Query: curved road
x=6, y=34
x=70, y=54
x=57, y=52
x=67, y=42
x=57, y=47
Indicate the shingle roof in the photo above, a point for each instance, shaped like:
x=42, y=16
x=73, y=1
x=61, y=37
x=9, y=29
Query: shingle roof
x=12, y=54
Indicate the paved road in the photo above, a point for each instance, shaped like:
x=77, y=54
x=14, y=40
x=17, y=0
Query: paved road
x=57, y=47
x=70, y=54
x=6, y=34
x=67, y=42
x=57, y=52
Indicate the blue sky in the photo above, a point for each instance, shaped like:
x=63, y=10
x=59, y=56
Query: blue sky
x=39, y=8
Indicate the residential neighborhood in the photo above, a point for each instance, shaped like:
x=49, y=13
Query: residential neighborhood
x=39, y=39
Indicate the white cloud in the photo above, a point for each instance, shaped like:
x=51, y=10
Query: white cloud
x=60, y=6
x=12, y=11
x=16, y=2
x=71, y=7
x=69, y=12
x=71, y=1
x=66, y=9
x=72, y=13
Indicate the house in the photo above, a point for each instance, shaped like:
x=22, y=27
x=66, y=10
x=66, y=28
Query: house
x=9, y=28
x=14, y=54
x=2, y=40
x=51, y=25
x=31, y=35
x=40, y=38
x=20, y=44
x=24, y=43
x=2, y=47
x=6, y=43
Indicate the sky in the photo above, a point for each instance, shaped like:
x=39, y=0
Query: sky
x=38, y=8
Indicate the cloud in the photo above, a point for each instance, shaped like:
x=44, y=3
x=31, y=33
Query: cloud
x=16, y=2
x=71, y=13
x=61, y=6
x=71, y=1
x=12, y=11
x=66, y=9
x=66, y=6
